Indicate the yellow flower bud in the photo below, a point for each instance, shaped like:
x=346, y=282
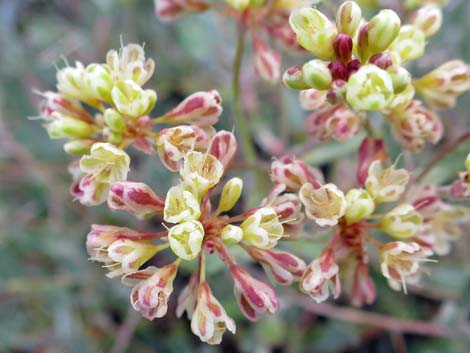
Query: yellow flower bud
x=402, y=222
x=370, y=88
x=68, y=127
x=360, y=205
x=231, y=234
x=180, y=205
x=314, y=32
x=132, y=100
x=348, y=18
x=98, y=81
x=230, y=194
x=409, y=44
x=114, y=120
x=382, y=29
x=317, y=74
x=78, y=147
x=186, y=239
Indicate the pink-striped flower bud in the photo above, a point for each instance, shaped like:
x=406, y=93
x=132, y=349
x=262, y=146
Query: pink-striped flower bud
x=288, y=208
x=312, y=99
x=382, y=60
x=429, y=19
x=223, y=146
x=56, y=102
x=343, y=46
x=254, y=297
x=200, y=108
x=320, y=277
x=210, y=321
x=371, y=149
x=441, y=87
x=136, y=198
x=337, y=122
x=188, y=298
x=168, y=10
x=401, y=261
x=415, y=126
x=338, y=70
x=151, y=290
x=293, y=78
x=173, y=144
x=363, y=288
x=325, y=204
x=348, y=18
x=267, y=62
x=293, y=173
x=284, y=267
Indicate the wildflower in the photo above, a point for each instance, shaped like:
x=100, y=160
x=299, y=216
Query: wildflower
x=135, y=198
x=262, y=229
x=293, y=78
x=223, y=146
x=71, y=83
x=200, y=108
x=188, y=298
x=314, y=31
x=441, y=87
x=54, y=102
x=231, y=234
x=230, y=194
x=132, y=100
x=312, y=99
x=370, y=88
x=115, y=121
x=210, y=321
x=401, y=222
x=78, y=147
x=253, y=296
x=293, y=173
x=186, y=239
x=284, y=267
x=288, y=208
x=321, y=276
x=429, y=19
x=386, y=185
x=363, y=288
x=401, y=78
x=409, y=44
x=201, y=171
x=382, y=30
x=61, y=126
x=348, y=18
x=337, y=122
x=130, y=64
x=267, y=61
x=98, y=81
x=151, y=290
x=400, y=262
x=173, y=144
x=180, y=205
x=325, y=204
x=360, y=205
x=317, y=74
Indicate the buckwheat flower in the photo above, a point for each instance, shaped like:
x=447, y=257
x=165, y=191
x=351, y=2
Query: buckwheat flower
x=371, y=149
x=401, y=261
x=115, y=121
x=267, y=62
x=386, y=185
x=180, y=205
x=415, y=126
x=409, y=44
x=202, y=171
x=89, y=191
x=231, y=234
x=429, y=19
x=342, y=124
x=348, y=18
x=126, y=256
x=223, y=146
x=314, y=32
x=186, y=239
x=210, y=321
x=62, y=126
x=360, y=205
x=200, y=108
x=441, y=87
x=401, y=78
x=382, y=30
x=106, y=163
x=312, y=99
x=230, y=194
x=173, y=144
x=293, y=78
x=317, y=74
x=284, y=267
x=54, y=102
x=325, y=204
x=293, y=173
x=401, y=100
x=402, y=222
x=98, y=81
x=130, y=64
x=188, y=298
x=254, y=297
x=151, y=290
x=262, y=229
x=136, y=198
x=370, y=88
x=131, y=100
x=70, y=82
x=320, y=277
x=78, y=147
x=288, y=207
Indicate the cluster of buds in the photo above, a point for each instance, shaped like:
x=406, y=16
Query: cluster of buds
x=361, y=67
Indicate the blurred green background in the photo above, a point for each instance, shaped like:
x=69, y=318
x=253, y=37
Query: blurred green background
x=52, y=299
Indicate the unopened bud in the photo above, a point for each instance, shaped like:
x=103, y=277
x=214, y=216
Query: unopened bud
x=68, y=127
x=343, y=46
x=293, y=78
x=360, y=205
x=267, y=62
x=409, y=44
x=402, y=222
x=382, y=29
x=114, y=120
x=186, y=239
x=230, y=194
x=231, y=234
x=429, y=19
x=401, y=78
x=99, y=82
x=130, y=99
x=348, y=18
x=316, y=74
x=78, y=147
x=382, y=60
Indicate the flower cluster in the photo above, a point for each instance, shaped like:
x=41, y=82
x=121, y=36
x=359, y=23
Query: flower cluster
x=361, y=66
